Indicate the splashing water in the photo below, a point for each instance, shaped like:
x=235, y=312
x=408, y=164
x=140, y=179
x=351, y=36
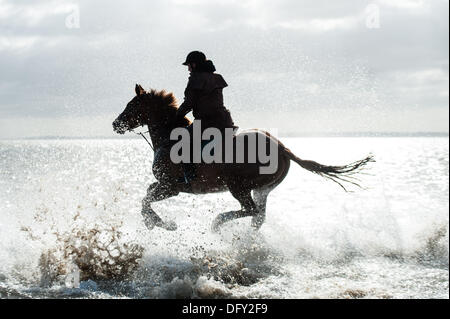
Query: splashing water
x=75, y=204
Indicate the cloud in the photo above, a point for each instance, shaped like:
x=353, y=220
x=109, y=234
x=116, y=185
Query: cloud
x=404, y=4
x=321, y=25
x=17, y=43
x=294, y=56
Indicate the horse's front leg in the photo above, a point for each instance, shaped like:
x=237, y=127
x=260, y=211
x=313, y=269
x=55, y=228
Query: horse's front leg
x=157, y=192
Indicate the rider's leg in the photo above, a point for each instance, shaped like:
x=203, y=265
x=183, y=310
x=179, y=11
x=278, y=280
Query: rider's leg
x=189, y=168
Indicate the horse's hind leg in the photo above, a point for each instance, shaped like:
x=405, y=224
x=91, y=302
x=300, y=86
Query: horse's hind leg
x=157, y=192
x=248, y=209
x=260, y=198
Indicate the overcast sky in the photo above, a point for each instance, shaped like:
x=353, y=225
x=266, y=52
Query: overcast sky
x=69, y=67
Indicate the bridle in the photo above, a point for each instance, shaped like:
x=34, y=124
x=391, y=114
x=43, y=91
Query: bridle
x=142, y=134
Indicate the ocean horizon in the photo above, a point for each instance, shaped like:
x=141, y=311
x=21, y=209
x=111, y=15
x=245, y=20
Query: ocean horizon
x=313, y=134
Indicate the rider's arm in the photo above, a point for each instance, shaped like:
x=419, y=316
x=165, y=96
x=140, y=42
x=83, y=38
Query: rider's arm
x=186, y=106
x=190, y=97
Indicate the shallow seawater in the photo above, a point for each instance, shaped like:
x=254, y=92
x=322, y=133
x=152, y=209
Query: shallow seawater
x=72, y=207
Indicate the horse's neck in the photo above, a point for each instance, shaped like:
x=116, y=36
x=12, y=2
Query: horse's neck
x=160, y=127
x=156, y=136
x=160, y=134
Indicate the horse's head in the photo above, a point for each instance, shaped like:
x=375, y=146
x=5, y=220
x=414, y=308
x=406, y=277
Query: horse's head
x=134, y=114
x=155, y=108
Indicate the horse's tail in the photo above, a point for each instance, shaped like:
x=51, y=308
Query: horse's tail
x=342, y=173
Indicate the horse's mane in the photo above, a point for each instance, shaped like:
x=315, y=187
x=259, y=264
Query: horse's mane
x=165, y=101
x=164, y=98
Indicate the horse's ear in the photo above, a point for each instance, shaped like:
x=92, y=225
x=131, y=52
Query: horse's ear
x=139, y=90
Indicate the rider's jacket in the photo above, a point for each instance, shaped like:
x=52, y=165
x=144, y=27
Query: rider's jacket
x=203, y=96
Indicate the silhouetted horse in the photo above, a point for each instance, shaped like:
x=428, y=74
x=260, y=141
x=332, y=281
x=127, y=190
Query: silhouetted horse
x=157, y=110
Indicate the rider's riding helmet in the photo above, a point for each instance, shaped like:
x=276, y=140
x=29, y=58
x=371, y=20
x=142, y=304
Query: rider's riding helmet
x=195, y=57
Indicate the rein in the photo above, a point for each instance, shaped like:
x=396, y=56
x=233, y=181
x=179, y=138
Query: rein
x=141, y=134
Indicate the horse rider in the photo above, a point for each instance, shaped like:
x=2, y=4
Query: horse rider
x=203, y=96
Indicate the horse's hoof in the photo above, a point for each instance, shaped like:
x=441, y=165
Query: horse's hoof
x=170, y=225
x=215, y=227
x=257, y=221
x=148, y=222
